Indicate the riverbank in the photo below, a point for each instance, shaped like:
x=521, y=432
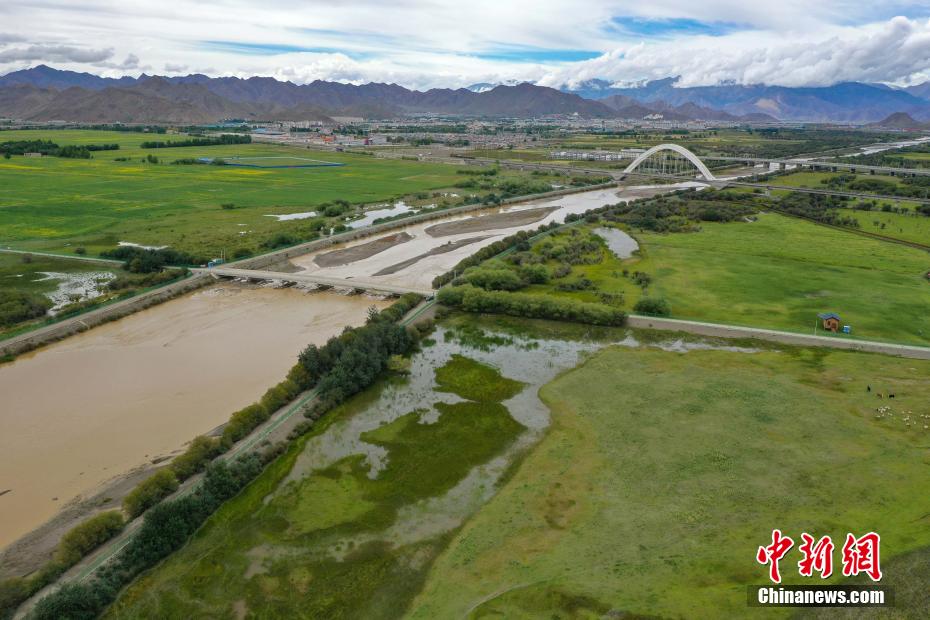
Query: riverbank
x=131, y=393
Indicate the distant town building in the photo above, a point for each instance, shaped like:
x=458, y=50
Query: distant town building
x=32, y=154
x=620, y=155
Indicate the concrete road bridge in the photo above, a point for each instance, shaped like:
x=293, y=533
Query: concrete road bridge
x=824, y=165
x=298, y=277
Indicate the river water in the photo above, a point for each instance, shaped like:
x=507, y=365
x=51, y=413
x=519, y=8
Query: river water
x=82, y=411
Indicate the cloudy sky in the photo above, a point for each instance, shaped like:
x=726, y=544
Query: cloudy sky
x=427, y=43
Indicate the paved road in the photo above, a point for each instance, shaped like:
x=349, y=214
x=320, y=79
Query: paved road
x=89, y=259
x=770, y=335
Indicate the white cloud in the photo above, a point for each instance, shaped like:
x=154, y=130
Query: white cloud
x=426, y=43
x=895, y=51
x=55, y=53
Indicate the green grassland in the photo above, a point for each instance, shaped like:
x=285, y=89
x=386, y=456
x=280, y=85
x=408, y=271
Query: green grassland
x=815, y=180
x=273, y=550
x=915, y=228
x=779, y=272
x=776, y=272
x=663, y=472
x=49, y=203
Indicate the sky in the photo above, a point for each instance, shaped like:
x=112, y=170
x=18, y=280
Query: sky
x=450, y=43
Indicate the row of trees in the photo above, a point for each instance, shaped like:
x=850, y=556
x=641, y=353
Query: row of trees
x=473, y=299
x=47, y=147
x=222, y=139
x=166, y=528
x=148, y=260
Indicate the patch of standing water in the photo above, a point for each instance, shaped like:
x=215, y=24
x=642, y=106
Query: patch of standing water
x=398, y=208
x=292, y=216
x=75, y=287
x=620, y=243
x=130, y=244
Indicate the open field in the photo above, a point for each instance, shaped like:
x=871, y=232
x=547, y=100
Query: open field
x=53, y=203
x=914, y=228
x=779, y=272
x=816, y=180
x=776, y=272
x=651, y=496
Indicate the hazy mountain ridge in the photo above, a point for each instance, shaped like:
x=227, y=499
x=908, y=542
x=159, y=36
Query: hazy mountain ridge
x=852, y=102
x=71, y=96
x=44, y=93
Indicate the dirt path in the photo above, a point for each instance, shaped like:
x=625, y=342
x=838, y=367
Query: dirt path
x=770, y=335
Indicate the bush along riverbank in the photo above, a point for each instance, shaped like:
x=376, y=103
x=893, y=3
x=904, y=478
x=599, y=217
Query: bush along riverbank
x=345, y=365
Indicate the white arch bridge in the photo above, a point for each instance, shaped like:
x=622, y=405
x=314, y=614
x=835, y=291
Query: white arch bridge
x=680, y=150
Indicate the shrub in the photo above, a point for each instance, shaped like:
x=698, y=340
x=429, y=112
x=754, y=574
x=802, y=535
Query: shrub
x=89, y=535
x=242, y=422
x=653, y=305
x=494, y=279
x=534, y=274
x=201, y=451
x=150, y=491
x=474, y=299
x=16, y=307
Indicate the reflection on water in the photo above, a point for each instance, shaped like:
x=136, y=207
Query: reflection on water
x=621, y=244
x=84, y=410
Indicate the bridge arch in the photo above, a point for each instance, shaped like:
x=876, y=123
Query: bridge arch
x=708, y=176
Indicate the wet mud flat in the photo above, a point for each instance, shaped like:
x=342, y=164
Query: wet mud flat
x=443, y=249
x=361, y=251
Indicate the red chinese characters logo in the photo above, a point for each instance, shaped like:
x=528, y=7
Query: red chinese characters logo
x=860, y=555
x=817, y=557
x=773, y=553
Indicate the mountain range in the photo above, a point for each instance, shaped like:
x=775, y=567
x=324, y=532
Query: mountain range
x=43, y=93
x=846, y=102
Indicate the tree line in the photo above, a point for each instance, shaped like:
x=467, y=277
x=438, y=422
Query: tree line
x=222, y=139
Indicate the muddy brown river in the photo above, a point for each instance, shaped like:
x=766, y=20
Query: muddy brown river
x=78, y=413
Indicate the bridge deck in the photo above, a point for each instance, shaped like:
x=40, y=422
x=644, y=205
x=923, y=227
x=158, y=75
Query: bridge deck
x=308, y=278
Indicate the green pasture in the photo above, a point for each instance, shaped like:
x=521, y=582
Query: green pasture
x=662, y=473
x=815, y=180
x=776, y=272
x=904, y=226
x=50, y=203
x=779, y=272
